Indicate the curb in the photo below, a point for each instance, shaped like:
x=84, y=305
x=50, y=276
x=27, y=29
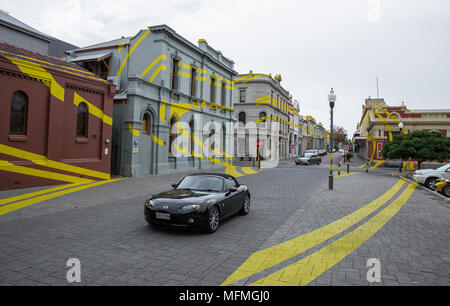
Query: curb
x=435, y=193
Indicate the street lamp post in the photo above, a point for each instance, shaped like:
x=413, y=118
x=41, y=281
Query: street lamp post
x=400, y=126
x=331, y=100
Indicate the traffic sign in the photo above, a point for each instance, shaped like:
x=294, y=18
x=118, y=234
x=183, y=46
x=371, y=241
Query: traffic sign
x=346, y=148
x=292, y=146
x=258, y=144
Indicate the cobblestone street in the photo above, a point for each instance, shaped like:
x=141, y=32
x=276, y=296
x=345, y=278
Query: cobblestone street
x=104, y=228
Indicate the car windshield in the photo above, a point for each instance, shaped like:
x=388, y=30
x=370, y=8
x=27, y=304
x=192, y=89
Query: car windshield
x=444, y=167
x=202, y=183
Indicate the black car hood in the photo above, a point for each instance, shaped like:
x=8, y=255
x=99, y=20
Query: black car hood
x=184, y=196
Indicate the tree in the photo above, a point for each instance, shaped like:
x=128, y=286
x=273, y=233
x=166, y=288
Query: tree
x=340, y=136
x=418, y=145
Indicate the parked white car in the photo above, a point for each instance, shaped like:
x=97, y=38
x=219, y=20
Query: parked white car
x=428, y=177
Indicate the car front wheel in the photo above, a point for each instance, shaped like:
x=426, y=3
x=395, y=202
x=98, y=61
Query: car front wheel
x=212, y=222
x=446, y=190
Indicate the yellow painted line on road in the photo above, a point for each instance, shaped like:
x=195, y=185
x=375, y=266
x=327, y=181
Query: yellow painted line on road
x=43, y=161
x=309, y=268
x=248, y=170
x=10, y=167
x=266, y=258
x=33, y=194
x=18, y=205
x=231, y=170
x=377, y=164
x=345, y=174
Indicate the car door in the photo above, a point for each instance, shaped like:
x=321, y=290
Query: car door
x=232, y=198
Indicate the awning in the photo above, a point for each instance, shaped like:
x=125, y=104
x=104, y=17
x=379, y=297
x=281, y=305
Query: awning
x=96, y=56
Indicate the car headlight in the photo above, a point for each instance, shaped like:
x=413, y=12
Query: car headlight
x=150, y=203
x=190, y=207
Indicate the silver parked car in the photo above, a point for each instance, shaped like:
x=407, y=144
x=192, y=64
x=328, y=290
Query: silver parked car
x=428, y=177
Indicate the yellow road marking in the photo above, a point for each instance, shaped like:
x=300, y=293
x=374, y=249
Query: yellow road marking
x=231, y=170
x=344, y=174
x=309, y=268
x=266, y=258
x=32, y=194
x=10, y=167
x=248, y=170
x=18, y=205
x=43, y=161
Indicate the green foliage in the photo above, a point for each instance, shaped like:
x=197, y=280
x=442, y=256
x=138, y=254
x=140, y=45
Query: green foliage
x=418, y=145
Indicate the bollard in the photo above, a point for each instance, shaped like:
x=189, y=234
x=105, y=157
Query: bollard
x=348, y=168
x=367, y=167
x=339, y=169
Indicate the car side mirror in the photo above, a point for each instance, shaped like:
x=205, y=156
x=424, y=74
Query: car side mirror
x=174, y=185
x=233, y=189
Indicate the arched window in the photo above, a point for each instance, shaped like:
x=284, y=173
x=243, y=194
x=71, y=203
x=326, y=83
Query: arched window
x=82, y=120
x=18, y=116
x=146, y=124
x=172, y=134
x=262, y=116
x=242, y=117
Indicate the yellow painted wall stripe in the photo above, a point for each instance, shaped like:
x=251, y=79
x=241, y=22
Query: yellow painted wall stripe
x=309, y=268
x=44, y=161
x=274, y=255
x=158, y=140
x=132, y=50
x=18, y=205
x=133, y=131
x=10, y=167
x=386, y=125
x=33, y=194
x=161, y=57
x=160, y=68
x=162, y=112
x=92, y=109
x=34, y=70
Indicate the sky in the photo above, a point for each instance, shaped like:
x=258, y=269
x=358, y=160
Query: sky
x=314, y=45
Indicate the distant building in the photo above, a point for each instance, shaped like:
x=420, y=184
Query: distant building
x=55, y=121
x=17, y=33
x=164, y=80
x=380, y=122
x=261, y=102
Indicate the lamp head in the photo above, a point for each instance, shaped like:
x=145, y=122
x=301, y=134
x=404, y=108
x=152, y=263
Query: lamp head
x=331, y=98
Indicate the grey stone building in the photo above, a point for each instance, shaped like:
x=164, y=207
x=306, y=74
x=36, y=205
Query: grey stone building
x=262, y=109
x=168, y=90
x=17, y=33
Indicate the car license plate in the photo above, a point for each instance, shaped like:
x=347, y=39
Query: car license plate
x=162, y=216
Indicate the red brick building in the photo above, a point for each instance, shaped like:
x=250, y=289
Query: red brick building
x=55, y=121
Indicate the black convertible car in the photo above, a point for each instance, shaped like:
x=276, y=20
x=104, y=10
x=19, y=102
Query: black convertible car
x=198, y=201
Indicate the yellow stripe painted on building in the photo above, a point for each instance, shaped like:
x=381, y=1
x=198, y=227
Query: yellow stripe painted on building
x=132, y=50
x=157, y=71
x=44, y=161
x=373, y=148
x=309, y=268
x=36, y=71
x=162, y=112
x=386, y=125
x=18, y=205
x=10, y=167
x=274, y=255
x=161, y=57
x=33, y=194
x=92, y=109
x=158, y=140
x=133, y=131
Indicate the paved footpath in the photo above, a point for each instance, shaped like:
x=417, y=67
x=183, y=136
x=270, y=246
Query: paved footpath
x=297, y=233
